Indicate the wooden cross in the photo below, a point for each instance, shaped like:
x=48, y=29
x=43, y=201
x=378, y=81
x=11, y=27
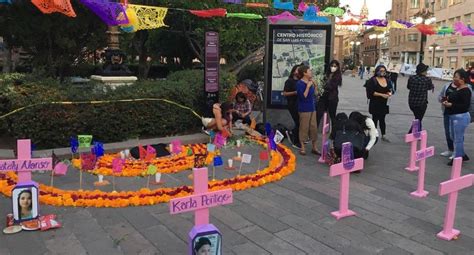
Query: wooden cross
x=421, y=156
x=452, y=187
x=344, y=169
x=24, y=165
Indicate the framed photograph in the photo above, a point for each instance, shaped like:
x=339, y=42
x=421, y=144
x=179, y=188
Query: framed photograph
x=25, y=202
x=207, y=243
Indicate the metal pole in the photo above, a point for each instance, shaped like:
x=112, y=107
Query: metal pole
x=434, y=52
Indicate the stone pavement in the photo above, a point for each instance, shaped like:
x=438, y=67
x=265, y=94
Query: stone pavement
x=291, y=216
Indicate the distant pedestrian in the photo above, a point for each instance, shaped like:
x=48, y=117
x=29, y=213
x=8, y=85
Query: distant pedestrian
x=330, y=96
x=379, y=90
x=289, y=91
x=419, y=85
x=393, y=79
x=457, y=106
x=368, y=70
x=361, y=72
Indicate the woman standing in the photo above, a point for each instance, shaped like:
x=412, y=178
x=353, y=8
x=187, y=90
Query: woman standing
x=330, y=97
x=457, y=107
x=306, y=89
x=379, y=91
x=292, y=98
x=419, y=85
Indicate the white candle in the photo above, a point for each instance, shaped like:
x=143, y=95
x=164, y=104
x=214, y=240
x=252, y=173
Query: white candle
x=171, y=148
x=127, y=153
x=230, y=161
x=122, y=155
x=101, y=178
x=239, y=154
x=157, y=177
x=238, y=143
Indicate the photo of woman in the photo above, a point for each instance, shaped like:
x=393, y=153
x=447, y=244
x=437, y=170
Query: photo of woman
x=25, y=204
x=203, y=246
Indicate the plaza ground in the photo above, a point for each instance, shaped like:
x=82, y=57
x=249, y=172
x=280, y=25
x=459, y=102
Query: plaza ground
x=291, y=216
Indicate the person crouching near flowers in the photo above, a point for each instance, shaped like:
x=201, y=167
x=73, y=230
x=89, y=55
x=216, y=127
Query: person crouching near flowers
x=221, y=119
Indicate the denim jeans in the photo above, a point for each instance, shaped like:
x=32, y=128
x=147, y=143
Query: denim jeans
x=457, y=127
x=449, y=141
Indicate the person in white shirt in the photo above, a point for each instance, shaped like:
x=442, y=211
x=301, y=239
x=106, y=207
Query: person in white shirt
x=371, y=132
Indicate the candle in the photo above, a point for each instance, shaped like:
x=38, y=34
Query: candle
x=171, y=148
x=122, y=155
x=230, y=161
x=101, y=178
x=127, y=153
x=157, y=177
x=239, y=154
x=238, y=143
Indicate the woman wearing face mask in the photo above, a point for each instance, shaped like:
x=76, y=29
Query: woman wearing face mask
x=379, y=90
x=306, y=89
x=330, y=97
x=291, y=97
x=419, y=85
x=457, y=107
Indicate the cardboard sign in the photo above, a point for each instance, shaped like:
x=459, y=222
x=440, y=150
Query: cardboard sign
x=246, y=158
x=25, y=202
x=60, y=169
x=196, y=202
x=426, y=153
x=278, y=137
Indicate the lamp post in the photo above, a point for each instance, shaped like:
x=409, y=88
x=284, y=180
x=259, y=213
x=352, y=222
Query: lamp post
x=434, y=47
x=424, y=16
x=376, y=37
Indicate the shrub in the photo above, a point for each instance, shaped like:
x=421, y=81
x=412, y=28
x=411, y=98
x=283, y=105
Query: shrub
x=51, y=125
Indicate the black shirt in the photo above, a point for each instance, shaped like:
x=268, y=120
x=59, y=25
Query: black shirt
x=290, y=86
x=461, y=100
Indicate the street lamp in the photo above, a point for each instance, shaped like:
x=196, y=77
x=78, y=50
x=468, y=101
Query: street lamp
x=434, y=47
x=424, y=16
x=354, y=44
x=376, y=37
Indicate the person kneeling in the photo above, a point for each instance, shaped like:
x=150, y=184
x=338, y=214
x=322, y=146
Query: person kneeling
x=370, y=131
x=347, y=130
x=221, y=121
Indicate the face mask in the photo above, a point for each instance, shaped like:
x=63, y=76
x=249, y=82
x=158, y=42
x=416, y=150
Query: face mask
x=333, y=69
x=381, y=74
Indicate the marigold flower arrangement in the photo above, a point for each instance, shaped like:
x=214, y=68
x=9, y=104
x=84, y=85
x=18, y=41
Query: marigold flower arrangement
x=282, y=163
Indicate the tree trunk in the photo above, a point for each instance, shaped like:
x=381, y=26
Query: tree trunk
x=7, y=60
x=255, y=57
x=143, y=65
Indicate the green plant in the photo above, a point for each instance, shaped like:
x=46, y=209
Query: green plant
x=51, y=126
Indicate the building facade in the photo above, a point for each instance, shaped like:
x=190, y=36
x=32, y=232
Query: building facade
x=406, y=44
x=451, y=51
x=371, y=42
x=338, y=47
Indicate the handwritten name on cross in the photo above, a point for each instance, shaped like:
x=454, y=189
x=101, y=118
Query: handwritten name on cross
x=452, y=187
x=413, y=138
x=24, y=165
x=201, y=200
x=344, y=169
x=421, y=156
x=325, y=131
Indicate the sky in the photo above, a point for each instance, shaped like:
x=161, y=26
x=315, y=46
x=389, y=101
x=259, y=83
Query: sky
x=377, y=8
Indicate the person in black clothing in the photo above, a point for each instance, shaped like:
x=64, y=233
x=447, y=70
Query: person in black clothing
x=393, y=78
x=347, y=130
x=289, y=91
x=457, y=107
x=379, y=90
x=419, y=85
x=330, y=97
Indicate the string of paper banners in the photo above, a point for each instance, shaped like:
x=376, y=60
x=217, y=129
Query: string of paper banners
x=131, y=17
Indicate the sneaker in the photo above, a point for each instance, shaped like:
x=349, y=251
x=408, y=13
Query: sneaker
x=446, y=153
x=307, y=141
x=465, y=158
x=296, y=146
x=451, y=157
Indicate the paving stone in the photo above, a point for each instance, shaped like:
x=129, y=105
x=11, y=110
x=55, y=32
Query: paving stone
x=405, y=199
x=249, y=248
x=230, y=218
x=294, y=196
x=259, y=218
x=64, y=244
x=394, y=251
x=317, y=232
x=404, y=243
x=130, y=241
x=304, y=242
x=268, y=241
x=138, y=217
x=164, y=240
x=433, y=242
x=176, y=224
x=376, y=208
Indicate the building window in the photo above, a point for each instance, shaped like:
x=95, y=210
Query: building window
x=467, y=19
x=415, y=3
x=444, y=4
x=453, y=62
x=413, y=37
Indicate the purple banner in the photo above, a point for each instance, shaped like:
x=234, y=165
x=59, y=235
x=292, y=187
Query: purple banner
x=211, y=62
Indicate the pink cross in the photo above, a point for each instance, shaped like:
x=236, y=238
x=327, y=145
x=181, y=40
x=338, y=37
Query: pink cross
x=24, y=165
x=421, y=156
x=413, y=138
x=201, y=200
x=452, y=187
x=340, y=169
x=325, y=131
